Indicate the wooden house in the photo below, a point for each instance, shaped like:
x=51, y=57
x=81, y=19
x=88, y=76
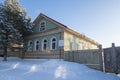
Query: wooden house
x=50, y=39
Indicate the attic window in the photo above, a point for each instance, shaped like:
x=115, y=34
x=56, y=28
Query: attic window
x=42, y=26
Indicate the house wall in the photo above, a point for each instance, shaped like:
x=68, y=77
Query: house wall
x=49, y=25
x=73, y=42
x=52, y=30
x=47, y=37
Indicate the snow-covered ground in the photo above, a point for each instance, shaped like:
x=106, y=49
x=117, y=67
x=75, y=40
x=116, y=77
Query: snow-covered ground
x=119, y=75
x=18, y=69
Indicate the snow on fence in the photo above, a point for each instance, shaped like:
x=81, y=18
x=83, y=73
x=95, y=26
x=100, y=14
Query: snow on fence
x=91, y=58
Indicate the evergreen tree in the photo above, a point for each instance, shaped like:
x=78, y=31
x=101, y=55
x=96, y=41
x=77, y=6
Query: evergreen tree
x=7, y=32
x=17, y=17
x=14, y=5
x=13, y=26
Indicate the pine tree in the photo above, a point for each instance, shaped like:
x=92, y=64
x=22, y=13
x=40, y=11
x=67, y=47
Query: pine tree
x=14, y=5
x=7, y=32
x=13, y=26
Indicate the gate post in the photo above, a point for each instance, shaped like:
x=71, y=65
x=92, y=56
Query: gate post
x=114, y=58
x=102, y=63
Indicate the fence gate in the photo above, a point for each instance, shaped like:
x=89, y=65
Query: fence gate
x=112, y=59
x=118, y=59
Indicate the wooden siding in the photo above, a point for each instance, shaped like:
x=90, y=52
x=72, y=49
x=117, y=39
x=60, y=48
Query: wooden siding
x=49, y=25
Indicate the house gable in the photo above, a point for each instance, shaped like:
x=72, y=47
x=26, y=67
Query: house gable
x=48, y=25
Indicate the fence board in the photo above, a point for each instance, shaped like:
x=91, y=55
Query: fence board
x=89, y=57
x=44, y=54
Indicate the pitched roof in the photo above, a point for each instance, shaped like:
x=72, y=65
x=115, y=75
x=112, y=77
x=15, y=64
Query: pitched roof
x=41, y=15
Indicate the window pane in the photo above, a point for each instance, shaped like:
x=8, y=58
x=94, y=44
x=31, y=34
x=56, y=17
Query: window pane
x=45, y=41
x=42, y=26
x=30, y=43
x=54, y=39
x=44, y=47
x=30, y=46
x=37, y=42
x=53, y=45
x=37, y=47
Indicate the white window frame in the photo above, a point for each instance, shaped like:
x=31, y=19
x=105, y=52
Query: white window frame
x=40, y=26
x=30, y=47
x=43, y=44
x=52, y=43
x=35, y=45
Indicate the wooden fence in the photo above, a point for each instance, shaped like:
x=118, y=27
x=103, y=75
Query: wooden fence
x=44, y=54
x=91, y=58
x=112, y=59
x=107, y=59
x=13, y=54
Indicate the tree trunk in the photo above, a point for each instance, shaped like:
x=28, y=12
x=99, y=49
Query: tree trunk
x=5, y=53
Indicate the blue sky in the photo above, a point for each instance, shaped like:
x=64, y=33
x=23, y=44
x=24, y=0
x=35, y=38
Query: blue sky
x=97, y=19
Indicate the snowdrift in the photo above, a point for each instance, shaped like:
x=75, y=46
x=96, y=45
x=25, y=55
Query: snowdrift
x=17, y=69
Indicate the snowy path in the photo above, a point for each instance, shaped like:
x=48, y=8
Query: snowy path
x=17, y=69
